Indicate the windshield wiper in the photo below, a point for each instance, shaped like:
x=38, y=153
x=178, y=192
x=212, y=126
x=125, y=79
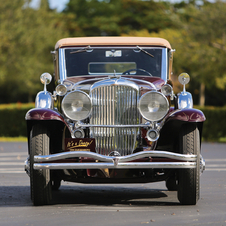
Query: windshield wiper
x=144, y=51
x=86, y=49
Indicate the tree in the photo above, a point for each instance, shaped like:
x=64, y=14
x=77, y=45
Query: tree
x=200, y=48
x=27, y=36
x=114, y=17
x=208, y=27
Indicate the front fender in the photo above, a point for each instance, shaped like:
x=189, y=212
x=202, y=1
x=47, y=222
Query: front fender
x=53, y=120
x=170, y=131
x=43, y=114
x=186, y=115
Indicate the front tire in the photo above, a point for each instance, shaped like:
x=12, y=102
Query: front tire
x=40, y=182
x=171, y=183
x=56, y=185
x=189, y=179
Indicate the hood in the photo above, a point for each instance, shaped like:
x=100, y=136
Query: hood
x=145, y=83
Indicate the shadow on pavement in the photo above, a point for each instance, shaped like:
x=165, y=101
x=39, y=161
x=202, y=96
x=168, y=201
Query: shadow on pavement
x=100, y=195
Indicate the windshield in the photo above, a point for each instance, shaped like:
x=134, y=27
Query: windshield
x=113, y=60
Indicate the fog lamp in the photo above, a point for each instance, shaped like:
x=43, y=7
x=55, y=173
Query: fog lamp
x=152, y=135
x=78, y=133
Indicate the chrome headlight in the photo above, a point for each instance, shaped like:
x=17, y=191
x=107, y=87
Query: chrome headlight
x=167, y=89
x=76, y=105
x=61, y=90
x=153, y=106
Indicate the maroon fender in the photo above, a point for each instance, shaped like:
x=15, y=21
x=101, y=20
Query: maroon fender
x=43, y=114
x=187, y=115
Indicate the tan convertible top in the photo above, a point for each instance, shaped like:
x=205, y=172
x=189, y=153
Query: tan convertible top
x=112, y=41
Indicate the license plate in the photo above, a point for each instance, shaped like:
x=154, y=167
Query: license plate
x=80, y=144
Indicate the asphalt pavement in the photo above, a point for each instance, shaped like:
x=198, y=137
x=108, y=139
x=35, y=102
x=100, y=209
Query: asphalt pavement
x=121, y=204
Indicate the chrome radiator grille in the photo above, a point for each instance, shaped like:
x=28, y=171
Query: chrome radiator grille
x=114, y=105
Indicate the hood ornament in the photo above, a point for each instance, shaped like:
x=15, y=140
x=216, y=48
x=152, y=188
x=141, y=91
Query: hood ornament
x=115, y=75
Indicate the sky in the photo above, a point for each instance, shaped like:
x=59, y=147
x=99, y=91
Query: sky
x=54, y=4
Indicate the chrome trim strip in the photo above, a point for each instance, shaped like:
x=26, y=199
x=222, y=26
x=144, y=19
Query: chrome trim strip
x=64, y=155
x=62, y=65
x=79, y=124
x=153, y=165
x=164, y=73
x=127, y=158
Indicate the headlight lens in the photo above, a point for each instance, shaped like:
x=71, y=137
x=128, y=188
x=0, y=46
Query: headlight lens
x=76, y=105
x=153, y=106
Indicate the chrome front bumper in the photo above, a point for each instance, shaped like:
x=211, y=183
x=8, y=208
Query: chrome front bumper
x=176, y=161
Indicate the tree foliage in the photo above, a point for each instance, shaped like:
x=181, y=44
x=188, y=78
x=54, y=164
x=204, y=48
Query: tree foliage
x=196, y=29
x=206, y=25
x=200, y=46
x=114, y=17
x=27, y=36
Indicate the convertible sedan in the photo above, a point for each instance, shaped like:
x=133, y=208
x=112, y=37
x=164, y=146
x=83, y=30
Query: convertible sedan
x=113, y=118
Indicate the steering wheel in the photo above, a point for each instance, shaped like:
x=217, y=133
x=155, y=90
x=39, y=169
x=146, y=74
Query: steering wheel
x=136, y=69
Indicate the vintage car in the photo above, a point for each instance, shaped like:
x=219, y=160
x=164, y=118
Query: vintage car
x=113, y=118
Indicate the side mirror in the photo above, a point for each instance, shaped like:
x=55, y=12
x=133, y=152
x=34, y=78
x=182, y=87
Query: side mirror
x=184, y=99
x=45, y=79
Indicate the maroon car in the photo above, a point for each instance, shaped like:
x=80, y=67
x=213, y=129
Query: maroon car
x=114, y=118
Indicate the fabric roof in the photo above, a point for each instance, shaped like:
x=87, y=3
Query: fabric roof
x=112, y=41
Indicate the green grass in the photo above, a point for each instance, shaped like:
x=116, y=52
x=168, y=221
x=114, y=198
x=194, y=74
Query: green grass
x=13, y=139
x=222, y=140
x=17, y=105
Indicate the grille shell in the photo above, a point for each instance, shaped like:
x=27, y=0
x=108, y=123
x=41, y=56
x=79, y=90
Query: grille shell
x=114, y=102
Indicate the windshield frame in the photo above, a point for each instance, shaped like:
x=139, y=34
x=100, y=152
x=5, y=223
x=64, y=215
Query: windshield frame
x=62, y=58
